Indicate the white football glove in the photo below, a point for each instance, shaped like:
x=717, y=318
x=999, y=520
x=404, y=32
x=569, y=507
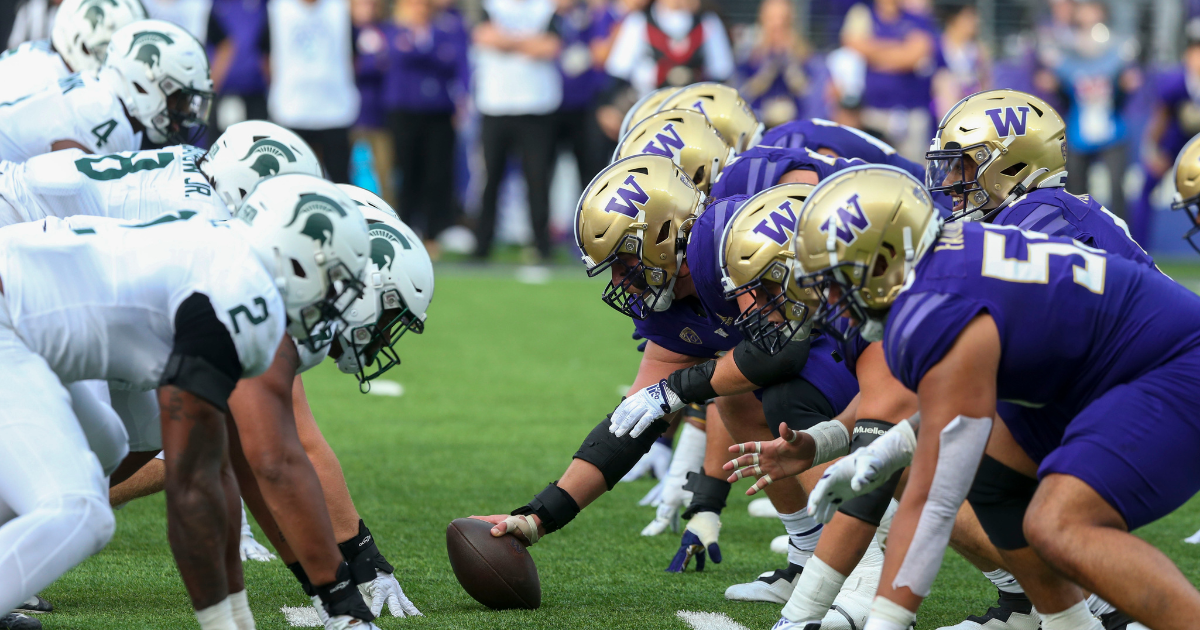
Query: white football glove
x=645, y=406
x=689, y=457
x=862, y=471
x=653, y=463
x=249, y=548
x=385, y=589
x=654, y=497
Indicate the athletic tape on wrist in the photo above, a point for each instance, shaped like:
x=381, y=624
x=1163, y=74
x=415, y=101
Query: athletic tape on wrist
x=832, y=438
x=694, y=384
x=553, y=505
x=525, y=524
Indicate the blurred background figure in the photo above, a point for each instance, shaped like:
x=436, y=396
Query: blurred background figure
x=192, y=15
x=616, y=96
x=1094, y=77
x=582, y=82
x=312, y=92
x=967, y=65
x=775, y=72
x=369, y=133
x=518, y=89
x=235, y=35
x=31, y=20
x=900, y=53
x=673, y=43
x=425, y=82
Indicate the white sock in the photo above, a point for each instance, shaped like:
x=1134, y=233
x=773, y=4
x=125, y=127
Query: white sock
x=888, y=615
x=818, y=586
x=1098, y=606
x=219, y=616
x=1004, y=581
x=246, y=531
x=803, y=531
x=1077, y=617
x=240, y=606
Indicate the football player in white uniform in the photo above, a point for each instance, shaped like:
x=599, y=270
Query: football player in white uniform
x=185, y=307
x=154, y=81
x=78, y=43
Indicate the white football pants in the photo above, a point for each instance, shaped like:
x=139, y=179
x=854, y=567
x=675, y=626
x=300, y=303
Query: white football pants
x=101, y=425
x=54, y=509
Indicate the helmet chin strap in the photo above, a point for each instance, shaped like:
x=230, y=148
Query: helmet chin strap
x=666, y=298
x=871, y=330
x=1020, y=190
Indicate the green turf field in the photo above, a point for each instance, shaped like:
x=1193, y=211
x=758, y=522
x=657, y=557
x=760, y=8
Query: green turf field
x=497, y=395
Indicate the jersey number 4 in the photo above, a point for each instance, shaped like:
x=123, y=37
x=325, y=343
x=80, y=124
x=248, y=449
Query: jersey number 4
x=249, y=315
x=1036, y=269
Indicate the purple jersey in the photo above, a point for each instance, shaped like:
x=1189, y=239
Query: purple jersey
x=1074, y=322
x=425, y=67
x=899, y=90
x=760, y=168
x=1056, y=212
x=816, y=134
x=852, y=348
x=1183, y=109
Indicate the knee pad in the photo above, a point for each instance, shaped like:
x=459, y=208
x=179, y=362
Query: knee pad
x=1000, y=496
x=797, y=403
x=708, y=494
x=616, y=456
x=871, y=506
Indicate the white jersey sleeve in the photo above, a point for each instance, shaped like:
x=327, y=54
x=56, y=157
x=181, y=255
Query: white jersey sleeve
x=28, y=68
x=76, y=108
x=252, y=311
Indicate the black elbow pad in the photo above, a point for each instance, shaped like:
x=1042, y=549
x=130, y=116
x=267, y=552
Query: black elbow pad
x=764, y=369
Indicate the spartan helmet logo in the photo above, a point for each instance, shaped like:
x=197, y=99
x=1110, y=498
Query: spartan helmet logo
x=319, y=228
x=93, y=11
x=146, y=43
x=313, y=202
x=269, y=153
x=384, y=239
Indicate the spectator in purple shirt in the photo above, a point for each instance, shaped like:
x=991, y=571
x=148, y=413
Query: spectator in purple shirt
x=238, y=66
x=424, y=83
x=776, y=74
x=370, y=69
x=582, y=81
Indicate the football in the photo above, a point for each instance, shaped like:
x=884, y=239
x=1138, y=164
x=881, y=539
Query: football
x=498, y=572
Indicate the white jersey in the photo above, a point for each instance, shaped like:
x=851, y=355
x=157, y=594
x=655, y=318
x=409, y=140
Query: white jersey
x=28, y=68
x=136, y=185
x=96, y=298
x=77, y=107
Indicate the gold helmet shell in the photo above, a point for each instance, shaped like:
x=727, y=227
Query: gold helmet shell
x=642, y=109
x=1016, y=141
x=686, y=137
x=861, y=231
x=757, y=255
x=639, y=208
x=724, y=107
x=1187, y=187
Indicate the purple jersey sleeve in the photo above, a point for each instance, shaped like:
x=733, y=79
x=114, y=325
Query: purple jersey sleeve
x=921, y=329
x=702, y=256
x=1056, y=212
x=761, y=167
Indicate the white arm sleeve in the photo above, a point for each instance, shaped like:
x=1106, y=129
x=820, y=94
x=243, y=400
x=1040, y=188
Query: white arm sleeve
x=961, y=447
x=718, y=54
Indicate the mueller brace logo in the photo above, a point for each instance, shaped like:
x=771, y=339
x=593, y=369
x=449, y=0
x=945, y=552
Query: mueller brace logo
x=1011, y=124
x=851, y=221
x=665, y=145
x=870, y=430
x=778, y=226
x=626, y=198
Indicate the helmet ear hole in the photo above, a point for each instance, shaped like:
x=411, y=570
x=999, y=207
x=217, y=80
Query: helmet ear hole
x=699, y=176
x=1014, y=169
x=140, y=89
x=298, y=269
x=242, y=192
x=663, y=233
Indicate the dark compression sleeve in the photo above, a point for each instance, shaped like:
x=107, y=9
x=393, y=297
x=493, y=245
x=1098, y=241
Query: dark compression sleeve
x=204, y=361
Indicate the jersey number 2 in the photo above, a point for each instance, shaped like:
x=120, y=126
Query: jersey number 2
x=1036, y=269
x=250, y=316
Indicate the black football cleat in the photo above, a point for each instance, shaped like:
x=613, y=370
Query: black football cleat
x=35, y=604
x=17, y=621
x=1013, y=611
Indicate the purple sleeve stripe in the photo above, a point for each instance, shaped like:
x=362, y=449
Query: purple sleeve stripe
x=751, y=177
x=769, y=177
x=1060, y=226
x=1039, y=216
x=914, y=311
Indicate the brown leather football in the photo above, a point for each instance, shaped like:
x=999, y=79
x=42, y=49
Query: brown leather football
x=498, y=572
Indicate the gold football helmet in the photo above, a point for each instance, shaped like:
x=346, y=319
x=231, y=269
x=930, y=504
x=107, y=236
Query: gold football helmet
x=724, y=107
x=642, y=109
x=757, y=256
x=1187, y=187
x=993, y=147
x=686, y=137
x=634, y=217
x=857, y=237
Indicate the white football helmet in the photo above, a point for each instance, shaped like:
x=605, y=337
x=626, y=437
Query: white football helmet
x=313, y=240
x=250, y=151
x=83, y=28
x=160, y=73
x=399, y=288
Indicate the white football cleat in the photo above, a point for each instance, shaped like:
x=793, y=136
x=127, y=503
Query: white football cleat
x=1012, y=611
x=773, y=586
x=784, y=624
x=762, y=508
x=779, y=544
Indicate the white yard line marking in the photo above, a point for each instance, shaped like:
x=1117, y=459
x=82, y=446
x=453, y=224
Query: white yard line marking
x=386, y=388
x=301, y=617
x=709, y=621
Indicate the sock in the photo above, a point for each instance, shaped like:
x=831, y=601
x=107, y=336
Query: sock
x=1004, y=581
x=219, y=616
x=246, y=531
x=818, y=586
x=803, y=531
x=1098, y=606
x=240, y=607
x=888, y=615
x=1077, y=617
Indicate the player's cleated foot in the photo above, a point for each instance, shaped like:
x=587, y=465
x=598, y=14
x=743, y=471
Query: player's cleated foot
x=779, y=544
x=853, y=602
x=17, y=621
x=346, y=622
x=1013, y=611
x=773, y=586
x=1117, y=620
x=762, y=508
x=784, y=624
x=35, y=604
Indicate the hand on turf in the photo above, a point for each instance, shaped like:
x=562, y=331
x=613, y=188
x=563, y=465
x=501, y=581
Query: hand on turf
x=834, y=487
x=250, y=549
x=788, y=455
x=699, y=538
x=505, y=526
x=653, y=463
x=666, y=516
x=654, y=497
x=646, y=405
x=384, y=589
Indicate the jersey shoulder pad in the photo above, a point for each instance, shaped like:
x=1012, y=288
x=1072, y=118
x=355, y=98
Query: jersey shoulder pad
x=248, y=304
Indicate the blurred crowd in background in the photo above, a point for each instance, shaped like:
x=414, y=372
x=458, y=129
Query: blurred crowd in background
x=481, y=120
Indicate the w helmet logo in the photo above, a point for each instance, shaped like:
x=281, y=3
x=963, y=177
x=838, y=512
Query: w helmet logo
x=624, y=201
x=778, y=226
x=665, y=145
x=1009, y=121
x=848, y=222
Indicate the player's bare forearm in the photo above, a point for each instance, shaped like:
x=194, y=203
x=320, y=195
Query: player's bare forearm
x=342, y=512
x=194, y=440
x=148, y=480
x=233, y=528
x=254, y=499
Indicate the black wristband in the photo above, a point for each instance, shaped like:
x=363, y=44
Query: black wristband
x=305, y=583
x=694, y=384
x=708, y=494
x=364, y=557
x=553, y=505
x=341, y=597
